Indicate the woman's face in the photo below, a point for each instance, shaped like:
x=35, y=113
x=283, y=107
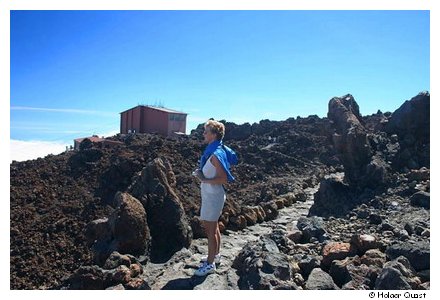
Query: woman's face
x=208, y=135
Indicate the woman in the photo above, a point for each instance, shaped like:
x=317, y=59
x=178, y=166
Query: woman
x=213, y=173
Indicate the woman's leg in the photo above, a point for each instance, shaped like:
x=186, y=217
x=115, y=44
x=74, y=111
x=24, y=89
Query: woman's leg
x=218, y=238
x=210, y=229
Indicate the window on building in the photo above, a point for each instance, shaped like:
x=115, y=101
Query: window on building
x=176, y=117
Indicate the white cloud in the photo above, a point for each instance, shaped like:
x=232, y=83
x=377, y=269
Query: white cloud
x=47, y=129
x=25, y=150
x=65, y=110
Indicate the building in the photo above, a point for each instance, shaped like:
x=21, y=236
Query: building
x=151, y=119
x=100, y=142
x=93, y=139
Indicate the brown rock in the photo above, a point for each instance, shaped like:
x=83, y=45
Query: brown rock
x=335, y=251
x=197, y=228
x=224, y=218
x=374, y=257
x=97, y=229
x=270, y=209
x=261, y=215
x=137, y=284
x=122, y=274
x=350, y=139
x=135, y=270
x=280, y=203
x=295, y=235
x=129, y=225
x=363, y=242
x=169, y=226
x=250, y=214
x=339, y=271
x=126, y=230
x=116, y=259
x=289, y=198
x=237, y=222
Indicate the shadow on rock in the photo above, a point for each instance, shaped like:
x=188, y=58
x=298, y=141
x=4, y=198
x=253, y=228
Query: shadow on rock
x=184, y=283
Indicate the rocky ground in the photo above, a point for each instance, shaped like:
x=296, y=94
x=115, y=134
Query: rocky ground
x=319, y=203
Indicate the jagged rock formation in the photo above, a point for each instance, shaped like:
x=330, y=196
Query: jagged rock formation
x=398, y=140
x=125, y=230
x=410, y=123
x=168, y=223
x=361, y=166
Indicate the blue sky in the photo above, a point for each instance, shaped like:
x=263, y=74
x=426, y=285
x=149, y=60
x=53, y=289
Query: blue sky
x=72, y=72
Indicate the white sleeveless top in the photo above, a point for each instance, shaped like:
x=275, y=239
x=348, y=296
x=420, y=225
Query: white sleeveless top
x=209, y=172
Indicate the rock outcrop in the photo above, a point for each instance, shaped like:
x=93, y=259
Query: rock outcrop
x=169, y=226
x=261, y=265
x=125, y=230
x=320, y=280
x=350, y=137
x=410, y=123
x=417, y=254
x=365, y=158
x=333, y=198
x=120, y=272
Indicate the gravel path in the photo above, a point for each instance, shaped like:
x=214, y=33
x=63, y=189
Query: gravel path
x=177, y=273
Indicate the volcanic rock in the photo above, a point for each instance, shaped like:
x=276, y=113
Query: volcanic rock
x=312, y=227
x=350, y=137
x=320, y=280
x=417, y=254
x=169, y=226
x=421, y=199
x=125, y=231
x=333, y=198
x=261, y=265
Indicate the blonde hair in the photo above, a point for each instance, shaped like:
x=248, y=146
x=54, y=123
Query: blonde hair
x=216, y=128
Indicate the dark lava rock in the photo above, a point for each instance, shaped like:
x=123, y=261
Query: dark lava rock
x=307, y=264
x=320, y=280
x=418, y=254
x=311, y=227
x=169, y=226
x=125, y=231
x=333, y=198
x=391, y=279
x=411, y=122
x=339, y=272
x=261, y=265
x=412, y=117
x=420, y=199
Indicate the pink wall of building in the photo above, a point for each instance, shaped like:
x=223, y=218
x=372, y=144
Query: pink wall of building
x=146, y=119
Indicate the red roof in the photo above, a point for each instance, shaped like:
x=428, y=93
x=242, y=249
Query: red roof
x=94, y=139
x=167, y=110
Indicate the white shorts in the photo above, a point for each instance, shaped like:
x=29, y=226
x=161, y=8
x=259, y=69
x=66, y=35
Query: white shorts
x=213, y=200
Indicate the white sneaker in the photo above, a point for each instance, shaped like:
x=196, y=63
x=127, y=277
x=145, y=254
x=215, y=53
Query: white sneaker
x=205, y=269
x=217, y=258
